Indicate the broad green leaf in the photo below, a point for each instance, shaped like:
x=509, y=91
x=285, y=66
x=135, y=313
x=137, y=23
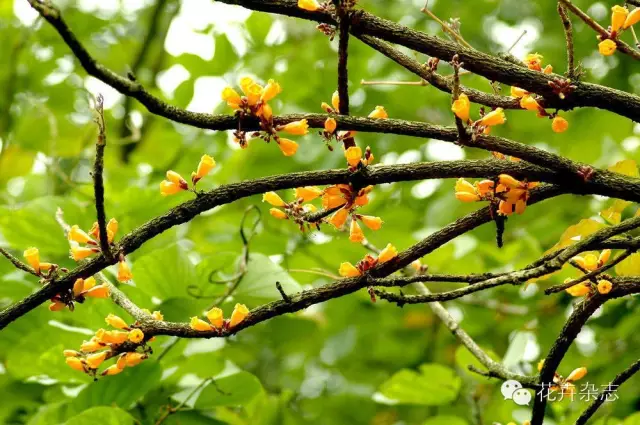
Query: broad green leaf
x=628, y=167
x=259, y=283
x=577, y=232
x=432, y=385
x=165, y=273
x=613, y=214
x=102, y=415
x=630, y=266
x=233, y=390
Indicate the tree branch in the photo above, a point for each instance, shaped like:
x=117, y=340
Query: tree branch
x=568, y=33
x=16, y=262
x=98, y=183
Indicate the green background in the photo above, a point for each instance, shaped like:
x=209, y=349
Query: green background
x=347, y=361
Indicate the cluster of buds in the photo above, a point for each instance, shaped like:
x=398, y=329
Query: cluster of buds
x=621, y=19
x=510, y=194
x=588, y=263
x=461, y=108
x=78, y=237
x=176, y=183
x=46, y=270
x=565, y=385
x=216, y=319
x=295, y=210
x=255, y=103
x=106, y=344
x=82, y=289
x=368, y=262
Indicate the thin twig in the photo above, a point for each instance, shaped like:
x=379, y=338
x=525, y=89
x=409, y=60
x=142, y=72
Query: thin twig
x=394, y=83
x=446, y=28
x=568, y=34
x=98, y=183
x=16, y=262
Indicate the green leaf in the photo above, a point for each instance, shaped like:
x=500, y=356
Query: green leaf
x=102, y=415
x=628, y=167
x=233, y=390
x=630, y=266
x=632, y=420
x=259, y=283
x=224, y=57
x=165, y=273
x=433, y=385
x=445, y=420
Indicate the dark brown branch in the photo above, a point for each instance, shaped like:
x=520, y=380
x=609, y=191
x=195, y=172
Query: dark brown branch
x=568, y=34
x=98, y=183
x=343, y=54
x=16, y=262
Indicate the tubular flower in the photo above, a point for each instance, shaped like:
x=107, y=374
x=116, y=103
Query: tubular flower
x=330, y=125
x=379, y=113
x=254, y=93
x=133, y=359
x=353, y=155
x=559, y=124
x=529, y=103
x=348, y=270
x=70, y=353
x=465, y=191
x=78, y=235
x=272, y=198
x=271, y=90
x=548, y=69
x=339, y=218
x=240, y=312
x=355, y=232
x=232, y=97
x=335, y=100
x=92, y=345
x=310, y=5
x=95, y=360
x=534, y=61
x=32, y=255
x=508, y=181
x=199, y=324
x=577, y=374
x=632, y=18
x=495, y=117
x=388, y=253
x=121, y=363
x=296, y=128
x=604, y=286
x=373, y=223
x=604, y=257
x=578, y=290
x=246, y=83
x=216, y=317
x=204, y=167
x=116, y=321
x=484, y=187
x=156, y=315
x=518, y=92
x=75, y=363
x=308, y=193
x=590, y=262
x=111, y=370
x=265, y=111
x=112, y=337
x=279, y=214
x=176, y=178
x=80, y=253
x=461, y=106
x=607, y=47
x=618, y=17
x=169, y=188
x=89, y=283
x=57, y=306
x=288, y=147
x=124, y=271
x=112, y=229
x=136, y=336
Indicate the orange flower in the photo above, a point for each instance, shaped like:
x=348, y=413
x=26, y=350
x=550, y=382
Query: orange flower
x=577, y=374
x=348, y=270
x=176, y=178
x=559, y=124
x=607, y=47
x=112, y=229
x=632, y=18
x=548, y=69
x=604, y=257
x=134, y=359
x=465, y=191
x=79, y=252
x=335, y=100
x=310, y=5
x=330, y=125
x=339, y=218
x=199, y=324
x=111, y=370
x=204, y=167
x=136, y=336
x=112, y=337
x=461, y=107
x=57, y=306
x=265, y=112
x=533, y=61
x=307, y=193
x=388, y=253
x=240, y=312
x=32, y=255
x=297, y=128
x=373, y=223
x=353, y=155
x=169, y=188
x=529, y=103
x=495, y=117
x=271, y=90
x=578, y=290
x=124, y=271
x=95, y=360
x=273, y=199
x=604, y=286
x=92, y=345
x=355, y=232
x=254, y=93
x=78, y=235
x=75, y=363
x=232, y=97
x=288, y=147
x=379, y=113
x=216, y=317
x=618, y=17
x=279, y=214
x=116, y=321
x=518, y=92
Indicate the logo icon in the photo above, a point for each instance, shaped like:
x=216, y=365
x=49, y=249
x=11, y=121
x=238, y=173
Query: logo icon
x=512, y=390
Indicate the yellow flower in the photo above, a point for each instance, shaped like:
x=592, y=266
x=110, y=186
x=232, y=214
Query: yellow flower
x=204, y=167
x=495, y=117
x=136, y=336
x=355, y=232
x=529, y=103
x=111, y=370
x=335, y=100
x=461, y=107
x=271, y=90
x=332, y=201
x=32, y=255
x=297, y=128
x=246, y=83
x=78, y=235
x=112, y=337
x=577, y=374
x=348, y=270
x=373, y=223
x=75, y=363
x=339, y=218
x=156, y=315
x=199, y=324
x=467, y=197
x=176, y=178
x=78, y=287
x=604, y=286
x=134, y=359
x=604, y=257
x=307, y=193
x=273, y=199
x=288, y=147
x=232, y=97
x=124, y=271
x=388, y=253
x=254, y=93
x=279, y=214
x=559, y=124
x=518, y=92
x=90, y=346
x=240, y=312
x=578, y=290
x=618, y=17
x=116, y=321
x=607, y=47
x=416, y=265
x=310, y=5
x=507, y=180
x=70, y=353
x=534, y=61
x=379, y=112
x=330, y=125
x=265, y=111
x=112, y=229
x=590, y=262
x=95, y=360
x=353, y=155
x=548, y=69
x=216, y=317
x=57, y=306
x=632, y=18
x=169, y=188
x=79, y=252
x=464, y=186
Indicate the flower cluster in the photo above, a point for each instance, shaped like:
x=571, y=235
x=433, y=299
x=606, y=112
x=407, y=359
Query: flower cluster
x=106, y=344
x=510, y=194
x=461, y=107
x=217, y=321
x=562, y=384
x=255, y=103
x=82, y=289
x=78, y=237
x=176, y=183
x=621, y=19
x=368, y=262
x=588, y=263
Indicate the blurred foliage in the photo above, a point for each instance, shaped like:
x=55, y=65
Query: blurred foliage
x=348, y=360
